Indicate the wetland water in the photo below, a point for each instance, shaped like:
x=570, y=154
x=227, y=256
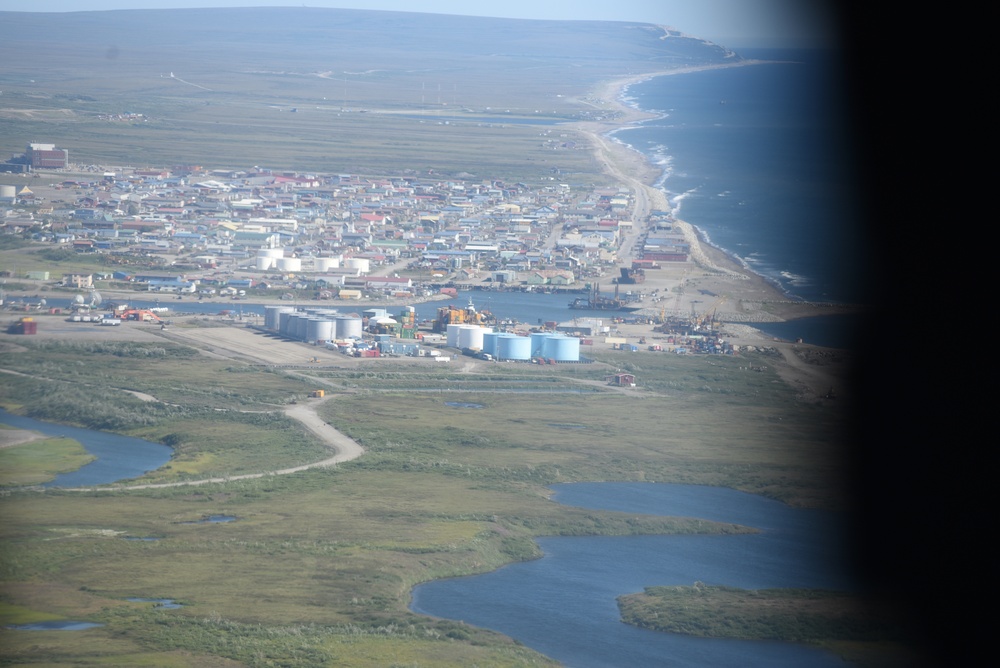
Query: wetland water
x=564, y=606
x=118, y=457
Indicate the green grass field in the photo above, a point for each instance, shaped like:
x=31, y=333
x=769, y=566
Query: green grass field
x=40, y=461
x=317, y=568
x=865, y=632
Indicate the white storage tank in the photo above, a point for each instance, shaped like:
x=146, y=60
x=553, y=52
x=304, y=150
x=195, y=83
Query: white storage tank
x=292, y=328
x=471, y=336
x=349, y=327
x=284, y=318
x=8, y=192
x=452, y=334
x=320, y=329
x=271, y=252
x=511, y=347
x=562, y=349
x=326, y=263
x=272, y=316
x=301, y=323
x=265, y=263
x=290, y=264
x=361, y=263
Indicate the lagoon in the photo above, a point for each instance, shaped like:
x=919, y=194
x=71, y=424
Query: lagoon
x=564, y=605
x=118, y=457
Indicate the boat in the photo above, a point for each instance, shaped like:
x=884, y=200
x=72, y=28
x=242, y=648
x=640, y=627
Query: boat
x=597, y=302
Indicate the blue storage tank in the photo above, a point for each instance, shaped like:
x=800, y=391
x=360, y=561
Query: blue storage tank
x=562, y=348
x=490, y=342
x=510, y=347
x=538, y=343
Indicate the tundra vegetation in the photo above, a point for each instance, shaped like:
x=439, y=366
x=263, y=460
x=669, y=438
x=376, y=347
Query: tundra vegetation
x=318, y=567
x=864, y=630
x=335, y=91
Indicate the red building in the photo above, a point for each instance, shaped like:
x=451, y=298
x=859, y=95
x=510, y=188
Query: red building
x=47, y=156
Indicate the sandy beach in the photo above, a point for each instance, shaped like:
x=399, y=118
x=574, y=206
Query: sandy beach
x=740, y=294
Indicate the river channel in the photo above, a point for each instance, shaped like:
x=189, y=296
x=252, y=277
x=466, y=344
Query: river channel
x=118, y=457
x=564, y=604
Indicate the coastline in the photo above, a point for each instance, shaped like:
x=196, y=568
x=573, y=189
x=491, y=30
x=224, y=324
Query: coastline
x=715, y=270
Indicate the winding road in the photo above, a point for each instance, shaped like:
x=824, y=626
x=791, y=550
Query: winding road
x=345, y=448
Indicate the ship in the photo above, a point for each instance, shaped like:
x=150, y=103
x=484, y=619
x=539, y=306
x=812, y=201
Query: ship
x=597, y=302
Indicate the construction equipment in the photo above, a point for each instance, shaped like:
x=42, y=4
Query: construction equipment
x=451, y=315
x=706, y=320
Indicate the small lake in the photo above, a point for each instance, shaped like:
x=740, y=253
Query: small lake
x=118, y=457
x=564, y=605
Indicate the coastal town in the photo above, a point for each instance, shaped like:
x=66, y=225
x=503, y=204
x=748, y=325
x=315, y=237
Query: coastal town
x=190, y=230
x=315, y=245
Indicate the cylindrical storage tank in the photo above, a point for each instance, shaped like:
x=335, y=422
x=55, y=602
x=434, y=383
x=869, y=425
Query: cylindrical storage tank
x=349, y=327
x=326, y=263
x=321, y=329
x=562, y=348
x=272, y=316
x=301, y=323
x=362, y=263
x=291, y=326
x=274, y=253
x=471, y=337
x=490, y=343
x=538, y=343
x=8, y=192
x=284, y=318
x=289, y=264
x=512, y=347
x=265, y=263
x=451, y=336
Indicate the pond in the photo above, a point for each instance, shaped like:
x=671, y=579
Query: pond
x=118, y=457
x=55, y=625
x=564, y=605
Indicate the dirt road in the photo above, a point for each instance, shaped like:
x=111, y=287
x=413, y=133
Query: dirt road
x=345, y=448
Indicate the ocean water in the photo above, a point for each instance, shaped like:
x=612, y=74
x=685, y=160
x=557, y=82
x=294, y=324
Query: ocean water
x=759, y=159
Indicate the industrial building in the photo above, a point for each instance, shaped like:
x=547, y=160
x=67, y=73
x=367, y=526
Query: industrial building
x=46, y=156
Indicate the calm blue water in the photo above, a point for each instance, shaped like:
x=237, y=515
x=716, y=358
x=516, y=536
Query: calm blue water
x=118, y=457
x=563, y=605
x=757, y=158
